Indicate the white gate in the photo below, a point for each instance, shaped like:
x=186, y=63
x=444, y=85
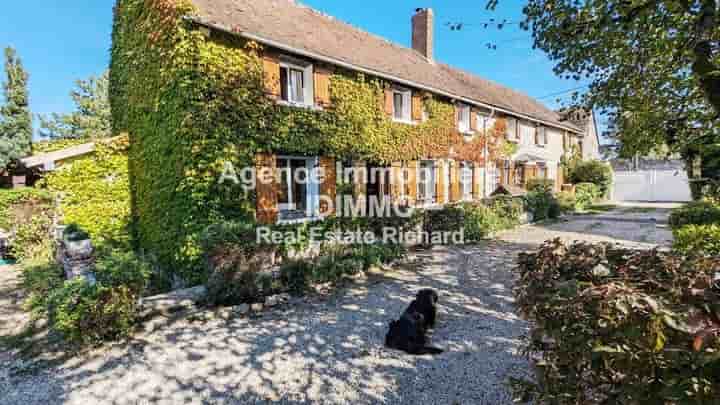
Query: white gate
x=651, y=185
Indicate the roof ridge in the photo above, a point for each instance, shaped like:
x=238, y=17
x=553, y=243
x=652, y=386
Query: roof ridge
x=320, y=13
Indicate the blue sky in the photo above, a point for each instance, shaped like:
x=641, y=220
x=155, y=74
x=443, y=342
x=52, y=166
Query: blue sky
x=63, y=41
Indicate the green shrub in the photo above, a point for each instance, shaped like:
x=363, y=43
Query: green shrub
x=566, y=201
x=87, y=313
x=508, y=209
x=695, y=213
x=480, y=222
x=698, y=240
x=585, y=195
x=27, y=214
x=592, y=171
x=33, y=239
x=446, y=219
x=119, y=268
x=377, y=254
x=236, y=275
x=542, y=185
x=296, y=275
x=40, y=277
x=542, y=204
x=612, y=325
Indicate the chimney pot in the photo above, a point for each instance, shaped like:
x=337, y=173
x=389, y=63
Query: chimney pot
x=423, y=32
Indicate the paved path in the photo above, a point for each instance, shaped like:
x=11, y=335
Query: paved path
x=331, y=351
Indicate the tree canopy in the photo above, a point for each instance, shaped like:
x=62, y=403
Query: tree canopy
x=91, y=118
x=653, y=65
x=15, y=116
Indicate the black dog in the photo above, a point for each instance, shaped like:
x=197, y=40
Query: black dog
x=408, y=332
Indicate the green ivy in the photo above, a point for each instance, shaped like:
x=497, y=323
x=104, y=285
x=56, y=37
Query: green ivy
x=94, y=192
x=190, y=104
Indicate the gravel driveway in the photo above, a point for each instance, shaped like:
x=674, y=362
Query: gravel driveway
x=331, y=350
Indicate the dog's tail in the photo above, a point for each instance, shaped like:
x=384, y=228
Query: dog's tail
x=427, y=350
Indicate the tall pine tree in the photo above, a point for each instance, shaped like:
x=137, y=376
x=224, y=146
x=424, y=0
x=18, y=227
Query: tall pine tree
x=15, y=116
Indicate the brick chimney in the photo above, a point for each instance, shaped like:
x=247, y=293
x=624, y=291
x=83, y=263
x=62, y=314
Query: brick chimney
x=423, y=32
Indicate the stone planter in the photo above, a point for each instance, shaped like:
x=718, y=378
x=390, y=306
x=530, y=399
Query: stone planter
x=77, y=259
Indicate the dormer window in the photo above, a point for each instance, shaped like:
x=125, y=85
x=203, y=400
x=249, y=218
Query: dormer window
x=464, y=119
x=402, y=105
x=296, y=84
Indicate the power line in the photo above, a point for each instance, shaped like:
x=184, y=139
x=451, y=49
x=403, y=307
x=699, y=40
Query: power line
x=562, y=92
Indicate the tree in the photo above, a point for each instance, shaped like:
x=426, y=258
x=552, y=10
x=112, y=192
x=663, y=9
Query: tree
x=90, y=120
x=15, y=117
x=653, y=65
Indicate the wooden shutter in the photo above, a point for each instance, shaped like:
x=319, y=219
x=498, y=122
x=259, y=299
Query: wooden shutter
x=412, y=185
x=455, y=190
x=328, y=186
x=271, y=68
x=477, y=180
x=322, y=86
x=417, y=106
x=440, y=168
x=396, y=182
x=473, y=121
x=389, y=102
x=266, y=189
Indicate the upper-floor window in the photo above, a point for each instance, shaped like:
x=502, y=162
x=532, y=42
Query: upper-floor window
x=402, y=105
x=541, y=136
x=296, y=84
x=512, y=129
x=464, y=118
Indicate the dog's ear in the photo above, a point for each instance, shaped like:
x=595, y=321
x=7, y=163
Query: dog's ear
x=435, y=296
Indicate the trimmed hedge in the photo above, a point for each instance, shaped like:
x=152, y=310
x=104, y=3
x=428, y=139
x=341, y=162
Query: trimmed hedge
x=695, y=213
x=612, y=325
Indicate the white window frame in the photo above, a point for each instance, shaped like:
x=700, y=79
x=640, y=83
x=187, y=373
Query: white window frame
x=541, y=135
x=466, y=180
x=512, y=133
x=312, y=191
x=405, y=115
x=308, y=85
x=464, y=119
x=427, y=198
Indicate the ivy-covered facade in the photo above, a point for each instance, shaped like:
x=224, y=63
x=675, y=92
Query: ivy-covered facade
x=196, y=98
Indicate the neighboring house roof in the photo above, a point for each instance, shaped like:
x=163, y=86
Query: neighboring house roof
x=287, y=25
x=48, y=160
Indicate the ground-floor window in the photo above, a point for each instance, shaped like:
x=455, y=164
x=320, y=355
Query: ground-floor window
x=519, y=174
x=426, y=182
x=298, y=196
x=466, y=180
x=542, y=171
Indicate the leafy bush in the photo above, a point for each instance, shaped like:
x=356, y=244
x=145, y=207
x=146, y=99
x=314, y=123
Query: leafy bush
x=585, y=195
x=377, y=254
x=236, y=275
x=83, y=312
x=566, y=201
x=508, y=209
x=33, y=239
x=40, y=277
x=614, y=325
x=542, y=204
x=592, y=171
x=296, y=275
x=446, y=219
x=698, y=240
x=695, y=213
x=542, y=185
x=26, y=214
x=87, y=313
